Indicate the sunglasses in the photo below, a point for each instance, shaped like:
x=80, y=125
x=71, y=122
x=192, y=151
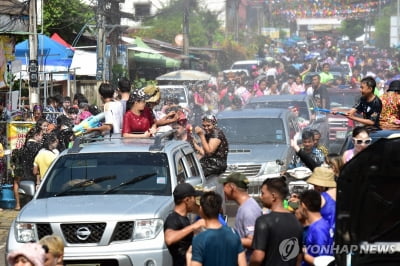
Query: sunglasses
x=360, y=141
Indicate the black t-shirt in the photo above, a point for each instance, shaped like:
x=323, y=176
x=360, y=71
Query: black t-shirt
x=322, y=94
x=178, y=250
x=280, y=236
x=370, y=110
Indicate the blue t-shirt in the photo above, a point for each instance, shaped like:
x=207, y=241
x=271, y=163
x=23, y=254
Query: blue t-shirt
x=328, y=212
x=318, y=241
x=215, y=247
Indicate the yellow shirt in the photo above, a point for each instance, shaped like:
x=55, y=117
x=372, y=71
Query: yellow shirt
x=1, y=151
x=43, y=160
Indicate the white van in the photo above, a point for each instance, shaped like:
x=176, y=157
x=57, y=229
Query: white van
x=181, y=92
x=247, y=64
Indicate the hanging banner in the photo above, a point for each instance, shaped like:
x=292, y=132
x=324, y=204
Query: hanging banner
x=7, y=44
x=16, y=132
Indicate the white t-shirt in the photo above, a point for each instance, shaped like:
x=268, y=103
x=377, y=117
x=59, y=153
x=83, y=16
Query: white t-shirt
x=113, y=115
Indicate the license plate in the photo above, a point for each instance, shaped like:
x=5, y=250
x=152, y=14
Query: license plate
x=341, y=134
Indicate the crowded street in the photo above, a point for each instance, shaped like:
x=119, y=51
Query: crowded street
x=189, y=133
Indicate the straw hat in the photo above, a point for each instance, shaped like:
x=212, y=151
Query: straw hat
x=323, y=177
x=153, y=93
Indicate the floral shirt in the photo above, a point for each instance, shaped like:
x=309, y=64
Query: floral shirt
x=390, y=114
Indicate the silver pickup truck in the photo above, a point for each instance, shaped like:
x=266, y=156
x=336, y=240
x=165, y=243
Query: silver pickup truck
x=108, y=200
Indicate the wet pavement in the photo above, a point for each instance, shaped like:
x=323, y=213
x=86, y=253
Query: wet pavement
x=6, y=217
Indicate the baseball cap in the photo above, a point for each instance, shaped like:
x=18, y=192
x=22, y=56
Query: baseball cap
x=185, y=190
x=239, y=179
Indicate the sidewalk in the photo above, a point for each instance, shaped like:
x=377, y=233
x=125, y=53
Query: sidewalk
x=6, y=217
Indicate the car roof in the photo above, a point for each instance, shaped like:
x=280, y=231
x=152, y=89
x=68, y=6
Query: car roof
x=171, y=86
x=160, y=143
x=247, y=62
x=279, y=98
x=254, y=113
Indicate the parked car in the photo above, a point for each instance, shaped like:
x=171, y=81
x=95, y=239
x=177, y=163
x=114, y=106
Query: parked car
x=304, y=103
x=367, y=207
x=108, y=200
x=259, y=142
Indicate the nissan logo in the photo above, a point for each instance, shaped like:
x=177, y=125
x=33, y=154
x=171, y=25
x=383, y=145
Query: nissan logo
x=83, y=233
x=233, y=167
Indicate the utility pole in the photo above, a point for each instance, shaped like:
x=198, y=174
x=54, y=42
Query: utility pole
x=185, y=34
x=33, y=57
x=114, y=19
x=101, y=40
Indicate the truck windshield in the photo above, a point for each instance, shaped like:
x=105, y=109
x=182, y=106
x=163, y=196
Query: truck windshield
x=253, y=130
x=95, y=173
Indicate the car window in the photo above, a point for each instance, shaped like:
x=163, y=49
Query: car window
x=173, y=93
x=98, y=172
x=343, y=99
x=253, y=130
x=301, y=105
x=192, y=164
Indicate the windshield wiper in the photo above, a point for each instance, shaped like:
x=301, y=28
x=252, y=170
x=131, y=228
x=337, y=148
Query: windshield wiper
x=86, y=183
x=129, y=182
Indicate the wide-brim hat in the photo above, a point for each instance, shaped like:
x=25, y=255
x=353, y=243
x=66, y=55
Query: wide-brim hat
x=153, y=93
x=323, y=177
x=394, y=85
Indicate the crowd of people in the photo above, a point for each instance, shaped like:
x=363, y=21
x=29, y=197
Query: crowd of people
x=261, y=236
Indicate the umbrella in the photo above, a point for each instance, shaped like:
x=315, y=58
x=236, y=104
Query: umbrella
x=185, y=75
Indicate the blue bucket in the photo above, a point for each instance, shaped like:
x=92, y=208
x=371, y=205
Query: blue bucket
x=7, y=192
x=7, y=199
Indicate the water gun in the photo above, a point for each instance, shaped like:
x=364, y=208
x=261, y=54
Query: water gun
x=327, y=111
x=90, y=122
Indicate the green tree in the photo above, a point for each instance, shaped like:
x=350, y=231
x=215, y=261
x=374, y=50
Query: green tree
x=203, y=24
x=382, y=26
x=353, y=28
x=66, y=17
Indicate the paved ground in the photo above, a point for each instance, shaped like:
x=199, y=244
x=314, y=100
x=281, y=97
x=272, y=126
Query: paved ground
x=6, y=217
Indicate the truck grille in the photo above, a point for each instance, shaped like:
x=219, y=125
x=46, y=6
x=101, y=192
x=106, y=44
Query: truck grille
x=43, y=230
x=90, y=233
x=123, y=231
x=248, y=170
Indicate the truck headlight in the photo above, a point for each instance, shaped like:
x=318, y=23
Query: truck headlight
x=147, y=229
x=25, y=232
x=270, y=168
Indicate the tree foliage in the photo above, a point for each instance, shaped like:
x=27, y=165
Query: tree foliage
x=203, y=24
x=353, y=28
x=66, y=17
x=382, y=26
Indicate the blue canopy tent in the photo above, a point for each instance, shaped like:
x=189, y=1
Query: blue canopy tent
x=53, y=57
